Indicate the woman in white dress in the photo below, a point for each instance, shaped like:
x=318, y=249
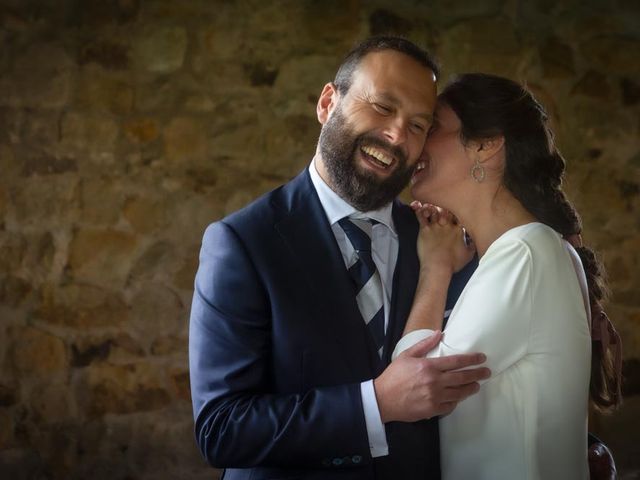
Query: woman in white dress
x=490, y=160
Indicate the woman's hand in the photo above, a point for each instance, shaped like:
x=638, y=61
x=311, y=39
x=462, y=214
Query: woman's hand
x=441, y=243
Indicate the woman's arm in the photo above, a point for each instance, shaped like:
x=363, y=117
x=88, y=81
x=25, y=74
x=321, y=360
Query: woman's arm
x=442, y=252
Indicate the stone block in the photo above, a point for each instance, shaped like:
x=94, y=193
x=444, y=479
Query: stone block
x=36, y=352
x=9, y=395
x=108, y=54
x=384, y=22
x=593, y=84
x=100, y=15
x=489, y=45
x=169, y=345
x=613, y=54
x=306, y=74
x=101, y=256
x=557, y=59
x=51, y=403
x=41, y=163
x=185, y=141
x=3, y=203
x=125, y=348
x=39, y=130
x=88, y=133
x=630, y=92
x=100, y=90
x=43, y=200
x=6, y=430
x=144, y=214
x=219, y=41
x=40, y=255
x=41, y=78
x=181, y=384
x=82, y=306
x=160, y=49
x=156, y=261
x=141, y=130
x=21, y=464
x=186, y=274
x=100, y=200
x=13, y=291
x=122, y=389
x=27, y=89
x=156, y=310
x=13, y=247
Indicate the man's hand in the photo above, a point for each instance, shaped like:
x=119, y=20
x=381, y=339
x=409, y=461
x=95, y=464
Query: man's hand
x=415, y=388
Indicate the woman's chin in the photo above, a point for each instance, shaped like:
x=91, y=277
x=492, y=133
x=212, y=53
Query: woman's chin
x=418, y=192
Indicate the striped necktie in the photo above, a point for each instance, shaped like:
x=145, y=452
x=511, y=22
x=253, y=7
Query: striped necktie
x=366, y=279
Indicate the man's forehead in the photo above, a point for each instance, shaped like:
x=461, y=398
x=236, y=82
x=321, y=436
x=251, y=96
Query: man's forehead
x=395, y=75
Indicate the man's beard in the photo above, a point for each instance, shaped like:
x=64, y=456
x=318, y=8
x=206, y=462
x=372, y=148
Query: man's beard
x=362, y=189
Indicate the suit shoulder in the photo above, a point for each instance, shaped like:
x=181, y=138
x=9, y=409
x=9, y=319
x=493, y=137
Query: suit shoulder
x=268, y=208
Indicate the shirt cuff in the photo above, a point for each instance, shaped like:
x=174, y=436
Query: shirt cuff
x=410, y=339
x=375, y=429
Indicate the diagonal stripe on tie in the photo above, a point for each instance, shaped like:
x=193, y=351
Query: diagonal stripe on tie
x=366, y=279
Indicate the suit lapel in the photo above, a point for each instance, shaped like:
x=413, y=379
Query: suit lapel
x=306, y=231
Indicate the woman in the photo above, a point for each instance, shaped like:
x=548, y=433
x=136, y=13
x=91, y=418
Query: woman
x=490, y=160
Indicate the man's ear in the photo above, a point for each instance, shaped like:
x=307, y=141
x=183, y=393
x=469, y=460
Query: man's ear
x=489, y=147
x=327, y=102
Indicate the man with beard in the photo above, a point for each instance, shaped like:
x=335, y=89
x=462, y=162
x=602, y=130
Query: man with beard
x=289, y=353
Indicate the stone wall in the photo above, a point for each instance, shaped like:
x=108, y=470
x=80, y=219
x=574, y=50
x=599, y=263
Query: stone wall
x=126, y=126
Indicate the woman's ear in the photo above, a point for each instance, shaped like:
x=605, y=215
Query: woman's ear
x=327, y=102
x=489, y=147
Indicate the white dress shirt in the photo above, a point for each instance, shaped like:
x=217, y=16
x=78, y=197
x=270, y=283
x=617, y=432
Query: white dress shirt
x=384, y=249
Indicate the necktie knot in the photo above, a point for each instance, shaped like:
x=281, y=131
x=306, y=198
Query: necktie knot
x=358, y=232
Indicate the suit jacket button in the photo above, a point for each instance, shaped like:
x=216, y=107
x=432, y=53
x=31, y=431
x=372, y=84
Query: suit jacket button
x=337, y=462
x=356, y=459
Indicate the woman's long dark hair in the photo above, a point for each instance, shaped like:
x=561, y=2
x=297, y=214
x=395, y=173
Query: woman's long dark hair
x=489, y=106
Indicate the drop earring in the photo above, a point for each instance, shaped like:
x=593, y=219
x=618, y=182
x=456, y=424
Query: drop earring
x=477, y=172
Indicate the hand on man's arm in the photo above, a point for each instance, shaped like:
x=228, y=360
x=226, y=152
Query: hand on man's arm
x=415, y=388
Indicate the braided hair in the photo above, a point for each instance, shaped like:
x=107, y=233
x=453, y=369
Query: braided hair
x=489, y=106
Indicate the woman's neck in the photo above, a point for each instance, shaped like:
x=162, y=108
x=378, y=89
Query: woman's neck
x=486, y=220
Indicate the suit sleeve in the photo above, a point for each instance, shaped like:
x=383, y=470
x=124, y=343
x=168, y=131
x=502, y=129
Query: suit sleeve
x=493, y=314
x=239, y=420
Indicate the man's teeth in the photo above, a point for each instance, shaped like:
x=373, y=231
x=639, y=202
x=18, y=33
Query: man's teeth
x=420, y=166
x=378, y=155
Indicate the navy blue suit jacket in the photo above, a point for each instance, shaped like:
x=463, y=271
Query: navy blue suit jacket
x=278, y=347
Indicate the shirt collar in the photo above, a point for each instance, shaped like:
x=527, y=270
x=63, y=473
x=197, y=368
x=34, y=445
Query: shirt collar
x=337, y=208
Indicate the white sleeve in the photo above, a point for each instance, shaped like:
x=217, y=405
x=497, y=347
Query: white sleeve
x=493, y=313
x=375, y=428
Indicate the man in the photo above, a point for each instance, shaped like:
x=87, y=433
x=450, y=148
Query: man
x=289, y=355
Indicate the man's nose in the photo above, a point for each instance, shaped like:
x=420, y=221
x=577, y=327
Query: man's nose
x=396, y=131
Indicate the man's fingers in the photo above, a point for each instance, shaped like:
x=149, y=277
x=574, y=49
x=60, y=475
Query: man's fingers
x=463, y=377
x=421, y=348
x=455, y=362
x=459, y=393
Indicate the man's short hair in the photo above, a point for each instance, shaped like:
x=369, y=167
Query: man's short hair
x=344, y=75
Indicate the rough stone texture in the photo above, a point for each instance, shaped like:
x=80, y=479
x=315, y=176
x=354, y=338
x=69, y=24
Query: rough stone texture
x=126, y=126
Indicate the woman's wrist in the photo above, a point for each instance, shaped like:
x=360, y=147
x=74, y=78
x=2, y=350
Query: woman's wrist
x=436, y=271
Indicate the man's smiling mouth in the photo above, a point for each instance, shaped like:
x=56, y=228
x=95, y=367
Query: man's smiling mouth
x=377, y=156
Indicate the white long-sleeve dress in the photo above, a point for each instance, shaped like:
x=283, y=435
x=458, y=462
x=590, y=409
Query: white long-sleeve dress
x=526, y=308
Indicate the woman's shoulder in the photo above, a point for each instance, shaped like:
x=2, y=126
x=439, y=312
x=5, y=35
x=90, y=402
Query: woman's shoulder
x=535, y=235
x=529, y=240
